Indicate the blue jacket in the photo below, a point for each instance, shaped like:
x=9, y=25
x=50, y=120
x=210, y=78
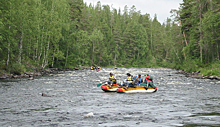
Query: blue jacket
x=141, y=80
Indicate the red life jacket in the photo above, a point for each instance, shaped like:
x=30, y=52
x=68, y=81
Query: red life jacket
x=147, y=78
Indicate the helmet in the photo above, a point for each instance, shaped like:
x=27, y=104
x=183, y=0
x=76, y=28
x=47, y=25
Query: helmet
x=146, y=74
x=111, y=73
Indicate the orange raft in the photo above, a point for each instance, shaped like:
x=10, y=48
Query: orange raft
x=109, y=88
x=136, y=90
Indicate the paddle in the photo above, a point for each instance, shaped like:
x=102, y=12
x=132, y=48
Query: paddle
x=98, y=85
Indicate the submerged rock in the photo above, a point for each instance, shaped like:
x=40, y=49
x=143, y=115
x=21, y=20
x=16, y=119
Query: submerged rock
x=89, y=115
x=45, y=95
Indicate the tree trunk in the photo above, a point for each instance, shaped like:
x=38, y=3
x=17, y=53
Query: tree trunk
x=218, y=51
x=9, y=45
x=213, y=46
x=115, y=58
x=42, y=65
x=93, y=50
x=183, y=33
x=20, y=47
x=184, y=52
x=47, y=52
x=213, y=52
x=67, y=51
x=200, y=31
x=8, y=54
x=45, y=59
x=176, y=54
x=41, y=46
x=53, y=58
x=151, y=40
x=111, y=22
x=167, y=54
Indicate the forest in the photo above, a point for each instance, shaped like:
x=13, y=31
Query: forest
x=69, y=33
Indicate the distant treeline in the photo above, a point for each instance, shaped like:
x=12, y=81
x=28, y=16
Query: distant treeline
x=69, y=33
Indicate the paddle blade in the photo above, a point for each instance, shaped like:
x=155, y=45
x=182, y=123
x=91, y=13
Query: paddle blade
x=143, y=84
x=98, y=85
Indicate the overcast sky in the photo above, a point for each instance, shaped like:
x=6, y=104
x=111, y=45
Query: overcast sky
x=160, y=7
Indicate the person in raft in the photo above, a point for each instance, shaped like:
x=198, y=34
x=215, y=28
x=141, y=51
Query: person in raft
x=149, y=80
x=92, y=68
x=128, y=82
x=137, y=80
x=99, y=68
x=112, y=79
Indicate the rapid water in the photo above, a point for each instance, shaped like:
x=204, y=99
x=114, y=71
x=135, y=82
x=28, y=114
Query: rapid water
x=76, y=101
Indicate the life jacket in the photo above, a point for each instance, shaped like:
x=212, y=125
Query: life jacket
x=148, y=78
x=111, y=78
x=99, y=68
x=129, y=79
x=92, y=68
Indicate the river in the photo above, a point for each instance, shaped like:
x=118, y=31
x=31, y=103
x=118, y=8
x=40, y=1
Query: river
x=74, y=100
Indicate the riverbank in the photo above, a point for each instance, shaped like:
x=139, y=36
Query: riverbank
x=43, y=72
x=51, y=71
x=197, y=75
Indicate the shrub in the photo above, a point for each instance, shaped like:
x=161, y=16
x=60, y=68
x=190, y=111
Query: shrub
x=17, y=68
x=190, y=65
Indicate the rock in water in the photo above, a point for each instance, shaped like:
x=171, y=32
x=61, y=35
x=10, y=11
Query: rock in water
x=31, y=78
x=89, y=115
x=45, y=95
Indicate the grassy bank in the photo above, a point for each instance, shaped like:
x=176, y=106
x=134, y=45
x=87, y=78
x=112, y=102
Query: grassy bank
x=211, y=69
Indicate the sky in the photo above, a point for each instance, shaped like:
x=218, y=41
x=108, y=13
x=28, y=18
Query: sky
x=159, y=7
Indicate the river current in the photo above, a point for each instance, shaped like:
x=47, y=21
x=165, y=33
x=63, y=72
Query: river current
x=74, y=100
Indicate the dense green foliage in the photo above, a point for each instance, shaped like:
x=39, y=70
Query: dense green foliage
x=69, y=33
x=201, y=29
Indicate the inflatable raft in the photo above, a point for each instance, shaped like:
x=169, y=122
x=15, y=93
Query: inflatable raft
x=136, y=90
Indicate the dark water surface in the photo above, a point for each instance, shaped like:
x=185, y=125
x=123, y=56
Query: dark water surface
x=76, y=101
